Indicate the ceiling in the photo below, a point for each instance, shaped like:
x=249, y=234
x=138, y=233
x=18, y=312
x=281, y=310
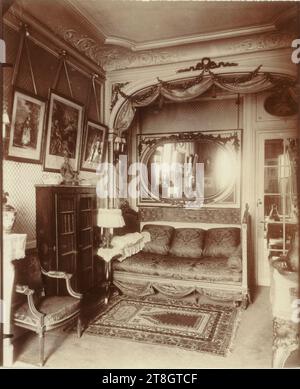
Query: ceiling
x=151, y=24
x=115, y=26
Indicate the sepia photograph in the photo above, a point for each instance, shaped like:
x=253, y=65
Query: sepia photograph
x=64, y=131
x=93, y=147
x=150, y=188
x=27, y=128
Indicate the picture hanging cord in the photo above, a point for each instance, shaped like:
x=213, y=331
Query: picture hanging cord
x=93, y=86
x=95, y=94
x=23, y=42
x=62, y=64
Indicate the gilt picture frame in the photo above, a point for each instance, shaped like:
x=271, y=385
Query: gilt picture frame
x=93, y=146
x=64, y=131
x=27, y=128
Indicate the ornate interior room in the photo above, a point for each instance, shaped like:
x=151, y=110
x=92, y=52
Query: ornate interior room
x=150, y=202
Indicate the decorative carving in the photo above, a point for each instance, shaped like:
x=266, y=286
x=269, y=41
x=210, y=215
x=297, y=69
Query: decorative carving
x=112, y=57
x=243, y=78
x=285, y=340
x=181, y=84
x=206, y=64
x=115, y=89
x=203, y=215
x=263, y=42
x=146, y=141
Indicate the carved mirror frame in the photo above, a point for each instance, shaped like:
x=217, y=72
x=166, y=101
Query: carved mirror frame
x=228, y=140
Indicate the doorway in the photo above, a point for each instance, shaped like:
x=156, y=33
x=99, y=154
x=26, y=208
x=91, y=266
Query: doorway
x=275, y=220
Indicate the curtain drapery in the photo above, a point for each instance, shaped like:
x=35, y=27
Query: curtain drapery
x=188, y=89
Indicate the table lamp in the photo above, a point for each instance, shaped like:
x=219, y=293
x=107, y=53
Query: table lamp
x=109, y=218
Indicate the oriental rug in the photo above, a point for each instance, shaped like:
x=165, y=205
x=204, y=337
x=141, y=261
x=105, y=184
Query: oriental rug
x=197, y=327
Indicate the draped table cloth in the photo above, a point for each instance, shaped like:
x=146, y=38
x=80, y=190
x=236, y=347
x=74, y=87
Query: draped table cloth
x=13, y=248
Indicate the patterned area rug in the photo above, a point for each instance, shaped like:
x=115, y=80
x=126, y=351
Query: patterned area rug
x=203, y=328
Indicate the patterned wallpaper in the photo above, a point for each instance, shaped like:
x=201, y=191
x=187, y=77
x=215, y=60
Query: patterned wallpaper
x=204, y=215
x=19, y=179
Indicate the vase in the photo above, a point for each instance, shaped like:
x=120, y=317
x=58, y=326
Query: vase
x=274, y=215
x=9, y=217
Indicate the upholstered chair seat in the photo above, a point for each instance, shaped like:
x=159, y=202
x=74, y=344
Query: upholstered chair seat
x=38, y=311
x=55, y=309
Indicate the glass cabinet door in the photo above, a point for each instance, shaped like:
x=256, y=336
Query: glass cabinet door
x=280, y=221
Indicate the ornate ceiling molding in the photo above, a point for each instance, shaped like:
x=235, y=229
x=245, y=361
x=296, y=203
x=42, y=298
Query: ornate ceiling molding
x=271, y=41
x=116, y=58
x=158, y=44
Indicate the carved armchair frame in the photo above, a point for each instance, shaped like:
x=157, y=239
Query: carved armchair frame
x=40, y=328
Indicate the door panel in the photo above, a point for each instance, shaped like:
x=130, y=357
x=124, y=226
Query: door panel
x=85, y=241
x=274, y=219
x=66, y=238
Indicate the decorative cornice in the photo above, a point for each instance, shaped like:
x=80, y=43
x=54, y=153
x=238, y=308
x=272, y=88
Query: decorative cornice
x=116, y=58
x=164, y=43
x=113, y=57
x=262, y=42
x=16, y=14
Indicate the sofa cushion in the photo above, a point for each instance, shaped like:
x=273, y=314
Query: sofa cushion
x=161, y=237
x=221, y=241
x=179, y=268
x=187, y=242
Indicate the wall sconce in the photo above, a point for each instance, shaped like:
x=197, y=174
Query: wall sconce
x=119, y=147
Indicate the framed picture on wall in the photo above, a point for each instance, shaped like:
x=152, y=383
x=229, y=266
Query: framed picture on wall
x=93, y=146
x=64, y=131
x=27, y=127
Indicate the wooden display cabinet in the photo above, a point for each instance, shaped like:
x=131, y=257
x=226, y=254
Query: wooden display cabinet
x=65, y=229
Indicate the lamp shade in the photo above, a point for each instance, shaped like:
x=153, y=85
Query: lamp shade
x=110, y=218
x=5, y=118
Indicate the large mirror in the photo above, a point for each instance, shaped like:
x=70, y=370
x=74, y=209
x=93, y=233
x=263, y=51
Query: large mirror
x=190, y=169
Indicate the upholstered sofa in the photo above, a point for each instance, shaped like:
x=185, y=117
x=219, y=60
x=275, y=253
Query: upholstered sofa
x=181, y=261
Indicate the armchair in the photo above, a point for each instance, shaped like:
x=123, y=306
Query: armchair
x=40, y=313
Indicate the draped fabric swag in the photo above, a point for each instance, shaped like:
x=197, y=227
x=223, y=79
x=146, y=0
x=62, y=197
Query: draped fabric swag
x=146, y=288
x=188, y=89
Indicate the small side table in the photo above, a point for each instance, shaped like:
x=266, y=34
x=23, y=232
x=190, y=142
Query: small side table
x=107, y=254
x=13, y=248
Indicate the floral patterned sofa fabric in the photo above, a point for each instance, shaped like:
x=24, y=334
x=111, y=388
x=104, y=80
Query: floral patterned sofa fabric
x=221, y=241
x=161, y=237
x=187, y=242
x=235, y=260
x=180, y=268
